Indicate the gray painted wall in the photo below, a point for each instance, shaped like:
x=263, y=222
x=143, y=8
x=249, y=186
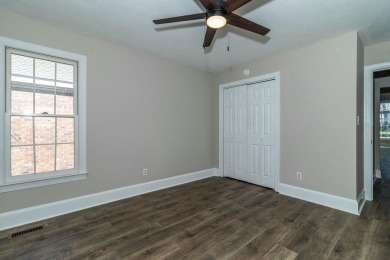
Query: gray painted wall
x=382, y=83
x=143, y=112
x=378, y=53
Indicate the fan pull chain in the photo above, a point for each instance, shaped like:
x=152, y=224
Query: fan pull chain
x=204, y=31
x=228, y=35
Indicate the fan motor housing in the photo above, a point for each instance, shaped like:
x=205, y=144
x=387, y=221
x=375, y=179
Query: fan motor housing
x=216, y=12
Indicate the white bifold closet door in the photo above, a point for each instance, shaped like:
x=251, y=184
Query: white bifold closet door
x=249, y=133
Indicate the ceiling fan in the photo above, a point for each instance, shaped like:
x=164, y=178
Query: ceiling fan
x=218, y=14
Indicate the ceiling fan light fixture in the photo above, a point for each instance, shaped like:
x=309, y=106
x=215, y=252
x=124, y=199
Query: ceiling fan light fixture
x=216, y=18
x=218, y=14
x=216, y=21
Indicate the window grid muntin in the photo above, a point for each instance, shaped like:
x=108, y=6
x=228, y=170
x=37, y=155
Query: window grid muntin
x=25, y=145
x=34, y=86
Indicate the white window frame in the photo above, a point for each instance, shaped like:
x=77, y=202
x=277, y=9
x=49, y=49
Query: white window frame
x=80, y=171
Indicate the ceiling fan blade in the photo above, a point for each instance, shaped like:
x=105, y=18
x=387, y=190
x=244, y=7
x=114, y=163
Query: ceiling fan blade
x=245, y=24
x=208, y=4
x=208, y=38
x=181, y=18
x=231, y=5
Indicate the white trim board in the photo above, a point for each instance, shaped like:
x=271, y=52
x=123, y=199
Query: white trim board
x=324, y=199
x=33, y=214
x=378, y=174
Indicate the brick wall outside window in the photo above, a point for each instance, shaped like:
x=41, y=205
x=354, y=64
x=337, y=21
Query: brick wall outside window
x=46, y=146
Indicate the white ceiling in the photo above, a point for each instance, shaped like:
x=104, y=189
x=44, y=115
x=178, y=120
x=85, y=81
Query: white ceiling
x=293, y=23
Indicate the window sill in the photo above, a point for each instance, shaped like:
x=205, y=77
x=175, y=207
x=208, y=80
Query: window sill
x=13, y=186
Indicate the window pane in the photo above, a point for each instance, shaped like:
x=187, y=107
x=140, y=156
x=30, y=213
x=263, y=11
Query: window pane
x=64, y=75
x=44, y=156
x=64, y=103
x=44, y=130
x=44, y=72
x=21, y=100
x=22, y=68
x=65, y=130
x=44, y=101
x=21, y=130
x=384, y=107
x=65, y=156
x=22, y=160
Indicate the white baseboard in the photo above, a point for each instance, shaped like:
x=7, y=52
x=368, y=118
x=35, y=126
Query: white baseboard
x=361, y=200
x=325, y=199
x=378, y=174
x=368, y=196
x=218, y=172
x=29, y=215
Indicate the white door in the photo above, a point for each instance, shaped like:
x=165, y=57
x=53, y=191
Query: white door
x=268, y=133
x=235, y=133
x=254, y=134
x=249, y=133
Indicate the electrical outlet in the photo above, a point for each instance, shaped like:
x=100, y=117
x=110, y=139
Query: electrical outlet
x=145, y=172
x=299, y=176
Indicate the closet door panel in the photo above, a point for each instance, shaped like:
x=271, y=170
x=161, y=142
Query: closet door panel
x=267, y=126
x=253, y=133
x=240, y=133
x=229, y=129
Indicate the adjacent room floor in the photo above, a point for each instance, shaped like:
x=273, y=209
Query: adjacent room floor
x=215, y=218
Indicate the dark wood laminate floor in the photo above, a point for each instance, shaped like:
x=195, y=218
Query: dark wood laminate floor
x=215, y=218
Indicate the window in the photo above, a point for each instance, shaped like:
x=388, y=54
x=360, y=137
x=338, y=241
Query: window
x=384, y=120
x=44, y=118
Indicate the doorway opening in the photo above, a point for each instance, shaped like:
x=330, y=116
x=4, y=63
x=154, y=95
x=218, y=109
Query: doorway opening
x=382, y=124
x=377, y=125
